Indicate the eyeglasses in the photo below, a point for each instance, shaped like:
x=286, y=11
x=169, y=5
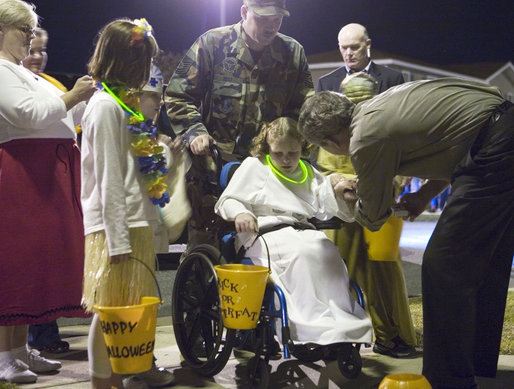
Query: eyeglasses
x=27, y=30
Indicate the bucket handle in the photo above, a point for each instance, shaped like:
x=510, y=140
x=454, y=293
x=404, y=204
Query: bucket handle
x=152, y=273
x=267, y=250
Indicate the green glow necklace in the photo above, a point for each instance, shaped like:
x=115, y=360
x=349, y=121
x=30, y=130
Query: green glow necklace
x=305, y=171
x=138, y=115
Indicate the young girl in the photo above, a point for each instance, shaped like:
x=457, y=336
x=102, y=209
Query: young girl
x=123, y=171
x=278, y=191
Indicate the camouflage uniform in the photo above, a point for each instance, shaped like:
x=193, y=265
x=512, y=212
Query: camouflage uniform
x=219, y=88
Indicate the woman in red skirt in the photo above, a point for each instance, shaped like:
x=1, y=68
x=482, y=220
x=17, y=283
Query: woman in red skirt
x=41, y=232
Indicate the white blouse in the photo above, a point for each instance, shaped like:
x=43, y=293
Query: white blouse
x=31, y=107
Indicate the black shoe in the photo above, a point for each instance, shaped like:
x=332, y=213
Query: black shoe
x=399, y=350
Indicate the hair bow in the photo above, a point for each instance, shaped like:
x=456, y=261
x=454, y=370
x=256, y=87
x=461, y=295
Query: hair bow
x=142, y=30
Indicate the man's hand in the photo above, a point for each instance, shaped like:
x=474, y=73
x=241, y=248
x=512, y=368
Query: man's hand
x=417, y=202
x=245, y=223
x=200, y=144
x=345, y=188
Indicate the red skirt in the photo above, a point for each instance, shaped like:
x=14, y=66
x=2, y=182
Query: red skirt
x=41, y=231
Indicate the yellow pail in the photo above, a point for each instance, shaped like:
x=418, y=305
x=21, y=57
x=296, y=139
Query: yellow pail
x=129, y=334
x=384, y=244
x=404, y=381
x=241, y=289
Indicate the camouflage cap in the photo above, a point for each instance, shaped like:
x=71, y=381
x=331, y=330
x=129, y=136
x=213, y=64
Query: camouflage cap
x=268, y=7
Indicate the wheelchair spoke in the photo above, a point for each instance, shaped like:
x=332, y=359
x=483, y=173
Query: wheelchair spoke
x=207, y=336
x=203, y=277
x=212, y=314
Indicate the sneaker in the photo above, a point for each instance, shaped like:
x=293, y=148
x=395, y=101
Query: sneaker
x=134, y=382
x=157, y=377
x=399, y=350
x=39, y=364
x=17, y=372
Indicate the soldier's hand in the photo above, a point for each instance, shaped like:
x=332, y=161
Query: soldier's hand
x=200, y=144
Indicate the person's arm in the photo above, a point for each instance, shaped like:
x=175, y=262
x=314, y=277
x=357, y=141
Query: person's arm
x=376, y=165
x=239, y=195
x=103, y=127
x=185, y=93
x=333, y=197
x=231, y=209
x=82, y=90
x=303, y=87
x=26, y=107
x=415, y=203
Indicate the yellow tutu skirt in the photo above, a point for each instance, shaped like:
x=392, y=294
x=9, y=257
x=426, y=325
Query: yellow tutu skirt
x=122, y=283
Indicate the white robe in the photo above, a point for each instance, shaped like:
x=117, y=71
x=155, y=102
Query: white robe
x=304, y=263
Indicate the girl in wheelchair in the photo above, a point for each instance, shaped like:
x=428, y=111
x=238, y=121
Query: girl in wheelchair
x=271, y=198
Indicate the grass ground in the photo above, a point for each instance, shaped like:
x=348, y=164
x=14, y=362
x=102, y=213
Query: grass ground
x=4, y=385
x=507, y=343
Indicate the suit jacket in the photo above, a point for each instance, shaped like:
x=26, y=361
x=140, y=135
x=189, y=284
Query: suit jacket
x=386, y=78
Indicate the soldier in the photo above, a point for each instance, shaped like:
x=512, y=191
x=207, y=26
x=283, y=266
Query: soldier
x=233, y=79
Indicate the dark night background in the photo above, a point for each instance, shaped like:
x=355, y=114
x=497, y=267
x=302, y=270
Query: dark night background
x=439, y=31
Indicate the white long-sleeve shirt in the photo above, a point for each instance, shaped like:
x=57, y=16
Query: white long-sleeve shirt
x=254, y=189
x=114, y=197
x=31, y=107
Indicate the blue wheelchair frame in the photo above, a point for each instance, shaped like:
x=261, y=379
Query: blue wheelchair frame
x=201, y=337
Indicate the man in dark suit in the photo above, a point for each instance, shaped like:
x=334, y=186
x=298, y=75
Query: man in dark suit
x=355, y=45
x=382, y=280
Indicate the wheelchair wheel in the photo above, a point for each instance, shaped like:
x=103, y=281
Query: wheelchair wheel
x=203, y=341
x=258, y=373
x=350, y=364
x=308, y=352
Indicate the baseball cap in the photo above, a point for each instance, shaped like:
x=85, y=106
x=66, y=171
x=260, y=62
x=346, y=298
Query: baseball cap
x=268, y=7
x=155, y=81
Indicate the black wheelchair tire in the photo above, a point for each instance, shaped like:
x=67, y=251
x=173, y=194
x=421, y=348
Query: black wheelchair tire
x=350, y=364
x=205, y=344
x=308, y=352
x=258, y=373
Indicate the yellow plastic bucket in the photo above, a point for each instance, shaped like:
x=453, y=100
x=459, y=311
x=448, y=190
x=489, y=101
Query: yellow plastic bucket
x=129, y=334
x=404, y=381
x=241, y=288
x=384, y=244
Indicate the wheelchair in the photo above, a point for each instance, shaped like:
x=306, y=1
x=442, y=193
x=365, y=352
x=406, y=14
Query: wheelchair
x=204, y=342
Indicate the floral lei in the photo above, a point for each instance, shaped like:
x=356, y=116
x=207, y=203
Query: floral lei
x=149, y=154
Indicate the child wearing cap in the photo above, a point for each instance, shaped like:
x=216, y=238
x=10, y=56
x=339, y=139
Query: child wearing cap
x=175, y=214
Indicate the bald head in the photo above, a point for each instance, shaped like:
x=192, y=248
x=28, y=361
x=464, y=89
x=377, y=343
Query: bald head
x=354, y=45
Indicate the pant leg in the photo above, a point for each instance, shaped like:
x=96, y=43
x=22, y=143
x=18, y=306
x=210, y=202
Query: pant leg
x=455, y=272
x=41, y=335
x=491, y=306
x=389, y=303
x=202, y=195
x=466, y=266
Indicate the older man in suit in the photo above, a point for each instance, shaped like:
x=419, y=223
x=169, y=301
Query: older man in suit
x=355, y=48
x=382, y=280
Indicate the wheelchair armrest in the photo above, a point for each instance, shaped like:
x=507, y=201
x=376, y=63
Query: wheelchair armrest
x=332, y=224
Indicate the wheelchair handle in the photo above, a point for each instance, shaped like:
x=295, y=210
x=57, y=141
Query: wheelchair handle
x=216, y=155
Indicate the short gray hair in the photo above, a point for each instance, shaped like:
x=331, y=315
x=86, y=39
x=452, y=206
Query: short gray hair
x=325, y=114
x=16, y=13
